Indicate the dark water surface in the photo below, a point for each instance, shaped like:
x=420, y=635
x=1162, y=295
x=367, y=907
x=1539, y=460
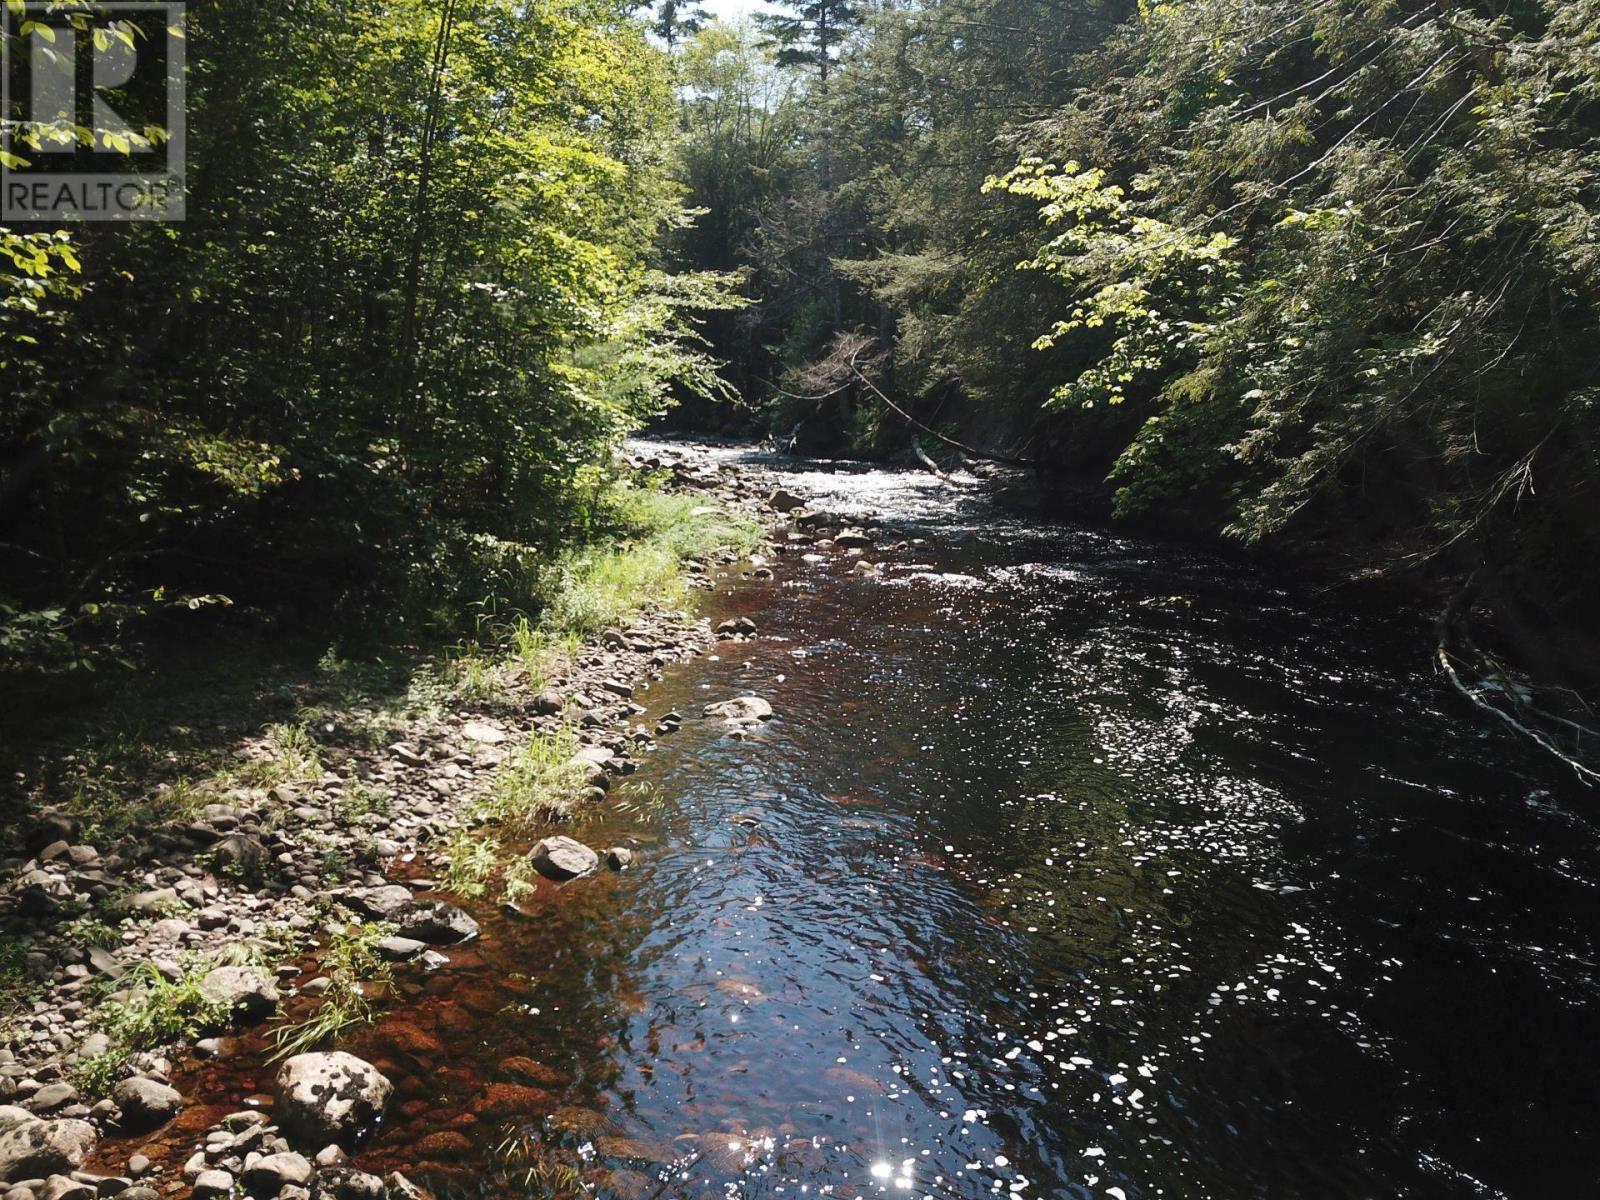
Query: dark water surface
x=1071, y=866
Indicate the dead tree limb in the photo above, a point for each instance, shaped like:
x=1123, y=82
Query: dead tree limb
x=1475, y=694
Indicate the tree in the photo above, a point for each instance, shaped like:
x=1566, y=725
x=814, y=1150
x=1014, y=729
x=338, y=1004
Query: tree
x=466, y=196
x=676, y=20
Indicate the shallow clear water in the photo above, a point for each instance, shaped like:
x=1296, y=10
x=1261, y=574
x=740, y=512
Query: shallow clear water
x=1070, y=866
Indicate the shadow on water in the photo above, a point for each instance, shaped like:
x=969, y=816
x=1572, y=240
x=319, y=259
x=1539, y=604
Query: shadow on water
x=1070, y=866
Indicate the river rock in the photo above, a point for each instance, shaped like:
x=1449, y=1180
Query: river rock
x=212, y=1185
x=741, y=708
x=399, y=1187
x=240, y=854
x=590, y=773
x=477, y=731
x=410, y=755
x=268, y=1174
x=11, y=1117
x=65, y=1187
x=145, y=1104
x=53, y=1096
x=381, y=903
x=248, y=992
x=435, y=922
x=562, y=858
x=34, y=1149
x=390, y=949
x=346, y=1183
x=155, y=902
x=329, y=1097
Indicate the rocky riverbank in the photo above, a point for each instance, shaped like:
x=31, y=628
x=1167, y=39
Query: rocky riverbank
x=229, y=913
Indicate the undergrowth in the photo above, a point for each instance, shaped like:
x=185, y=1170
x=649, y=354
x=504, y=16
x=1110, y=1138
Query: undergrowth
x=470, y=860
x=541, y=782
x=160, y=1011
x=355, y=971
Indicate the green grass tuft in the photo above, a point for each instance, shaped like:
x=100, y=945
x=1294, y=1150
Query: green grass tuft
x=540, y=783
x=356, y=972
x=470, y=859
x=160, y=1011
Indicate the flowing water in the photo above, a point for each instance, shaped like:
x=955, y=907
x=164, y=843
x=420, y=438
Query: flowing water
x=1070, y=866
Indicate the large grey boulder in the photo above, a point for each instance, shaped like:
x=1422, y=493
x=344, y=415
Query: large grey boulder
x=561, y=858
x=35, y=1149
x=329, y=1097
x=249, y=993
x=145, y=1104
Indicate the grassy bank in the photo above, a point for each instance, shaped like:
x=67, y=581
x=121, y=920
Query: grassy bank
x=123, y=752
x=259, y=722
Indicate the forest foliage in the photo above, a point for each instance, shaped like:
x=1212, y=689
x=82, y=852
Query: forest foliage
x=1305, y=275
x=413, y=309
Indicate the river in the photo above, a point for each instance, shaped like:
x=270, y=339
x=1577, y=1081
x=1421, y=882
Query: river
x=1072, y=865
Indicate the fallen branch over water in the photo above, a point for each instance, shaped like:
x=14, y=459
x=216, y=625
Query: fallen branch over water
x=927, y=460
x=1518, y=714
x=991, y=455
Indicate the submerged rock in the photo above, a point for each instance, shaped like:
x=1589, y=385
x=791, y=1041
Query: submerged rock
x=329, y=1097
x=741, y=708
x=561, y=858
